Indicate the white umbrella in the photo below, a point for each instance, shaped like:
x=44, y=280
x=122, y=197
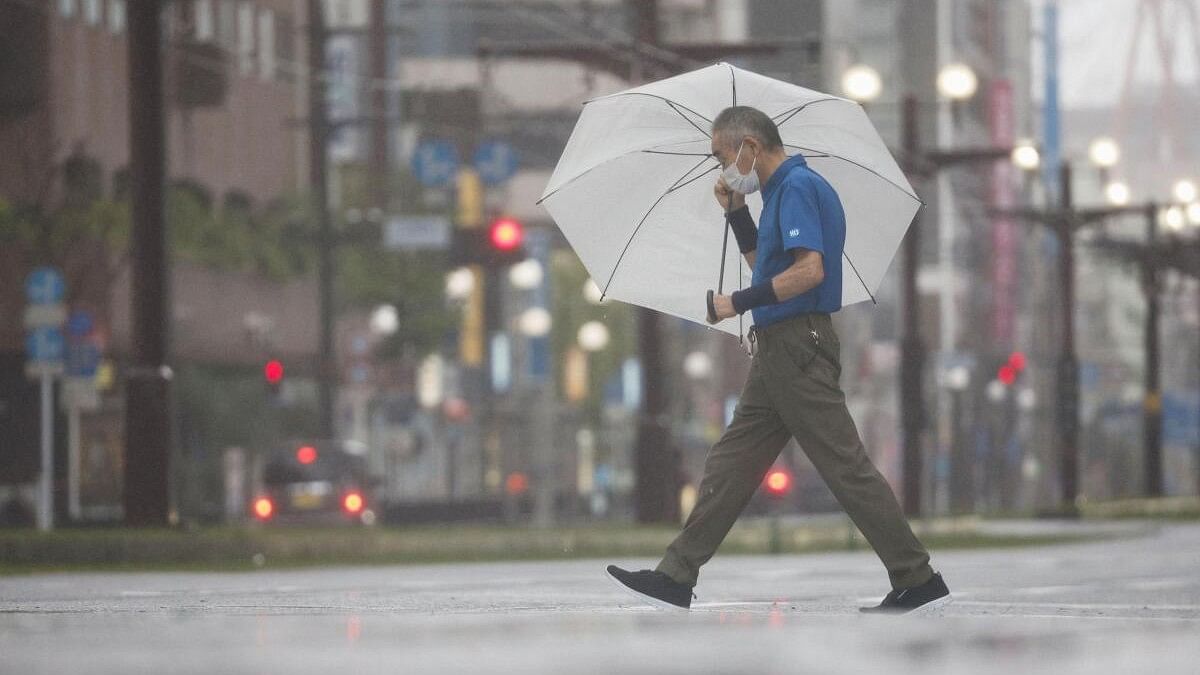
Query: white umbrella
x=632, y=191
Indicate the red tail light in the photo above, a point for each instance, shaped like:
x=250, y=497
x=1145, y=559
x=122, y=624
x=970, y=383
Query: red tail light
x=264, y=508
x=353, y=502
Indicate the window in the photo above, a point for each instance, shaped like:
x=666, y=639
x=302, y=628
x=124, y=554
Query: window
x=204, y=30
x=66, y=8
x=227, y=25
x=91, y=12
x=266, y=44
x=116, y=16
x=245, y=31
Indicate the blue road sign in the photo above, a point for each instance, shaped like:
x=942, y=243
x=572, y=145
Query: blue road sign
x=496, y=162
x=45, y=344
x=83, y=358
x=80, y=323
x=435, y=162
x=44, y=286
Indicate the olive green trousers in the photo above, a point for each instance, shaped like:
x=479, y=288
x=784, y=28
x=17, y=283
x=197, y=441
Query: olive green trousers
x=793, y=391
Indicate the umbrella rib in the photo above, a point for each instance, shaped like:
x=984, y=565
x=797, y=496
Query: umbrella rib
x=661, y=98
x=795, y=111
x=861, y=166
x=860, y=279
x=641, y=222
x=679, y=154
x=733, y=83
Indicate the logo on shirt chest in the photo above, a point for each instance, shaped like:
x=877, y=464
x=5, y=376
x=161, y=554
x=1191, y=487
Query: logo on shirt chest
x=793, y=233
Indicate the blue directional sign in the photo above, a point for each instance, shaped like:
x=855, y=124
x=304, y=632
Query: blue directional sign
x=45, y=344
x=80, y=323
x=435, y=162
x=44, y=286
x=83, y=358
x=496, y=162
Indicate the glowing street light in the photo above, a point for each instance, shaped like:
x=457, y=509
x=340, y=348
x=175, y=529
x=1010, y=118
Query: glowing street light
x=1193, y=213
x=1174, y=219
x=862, y=83
x=697, y=365
x=526, y=275
x=535, y=322
x=593, y=336
x=1026, y=156
x=460, y=283
x=1117, y=193
x=957, y=82
x=385, y=320
x=1184, y=191
x=592, y=293
x=1104, y=152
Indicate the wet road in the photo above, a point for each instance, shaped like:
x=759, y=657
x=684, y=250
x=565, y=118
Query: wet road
x=1130, y=605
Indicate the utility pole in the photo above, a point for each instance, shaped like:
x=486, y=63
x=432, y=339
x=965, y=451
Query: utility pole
x=1152, y=405
x=319, y=172
x=378, y=48
x=912, y=351
x=1068, y=368
x=147, y=408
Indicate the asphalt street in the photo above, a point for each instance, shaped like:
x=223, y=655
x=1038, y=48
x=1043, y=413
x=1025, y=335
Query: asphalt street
x=1130, y=605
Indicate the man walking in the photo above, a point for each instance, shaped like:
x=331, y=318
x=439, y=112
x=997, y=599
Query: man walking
x=792, y=389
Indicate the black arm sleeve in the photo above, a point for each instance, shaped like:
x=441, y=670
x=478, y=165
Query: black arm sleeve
x=743, y=229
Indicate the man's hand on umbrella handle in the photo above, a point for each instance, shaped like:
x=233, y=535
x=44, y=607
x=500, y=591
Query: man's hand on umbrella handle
x=724, y=193
x=720, y=307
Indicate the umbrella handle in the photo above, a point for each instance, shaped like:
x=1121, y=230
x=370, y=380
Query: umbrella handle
x=712, y=308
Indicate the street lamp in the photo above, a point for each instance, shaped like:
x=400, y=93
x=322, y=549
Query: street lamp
x=1117, y=193
x=384, y=320
x=962, y=473
x=526, y=275
x=1174, y=218
x=535, y=322
x=592, y=293
x=957, y=82
x=460, y=283
x=593, y=336
x=1185, y=191
x=1193, y=213
x=1104, y=152
x=1025, y=155
x=862, y=83
x=697, y=365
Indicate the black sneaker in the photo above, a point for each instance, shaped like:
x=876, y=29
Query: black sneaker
x=927, y=597
x=653, y=587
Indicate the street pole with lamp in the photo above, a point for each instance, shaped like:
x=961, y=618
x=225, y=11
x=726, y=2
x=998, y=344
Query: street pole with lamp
x=962, y=472
x=956, y=82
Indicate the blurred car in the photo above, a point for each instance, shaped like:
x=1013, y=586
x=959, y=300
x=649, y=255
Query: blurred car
x=315, y=482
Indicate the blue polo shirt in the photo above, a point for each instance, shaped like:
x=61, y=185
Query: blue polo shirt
x=800, y=210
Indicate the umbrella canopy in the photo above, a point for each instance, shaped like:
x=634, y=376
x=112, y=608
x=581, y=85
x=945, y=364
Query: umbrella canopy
x=632, y=191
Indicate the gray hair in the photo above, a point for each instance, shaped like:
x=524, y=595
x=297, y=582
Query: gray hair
x=742, y=120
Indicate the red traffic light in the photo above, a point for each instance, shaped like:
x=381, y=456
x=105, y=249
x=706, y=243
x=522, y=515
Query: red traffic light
x=273, y=371
x=506, y=234
x=516, y=483
x=306, y=455
x=1017, y=361
x=778, y=482
x=1007, y=374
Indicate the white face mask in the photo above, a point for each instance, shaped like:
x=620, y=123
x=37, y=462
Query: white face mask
x=737, y=181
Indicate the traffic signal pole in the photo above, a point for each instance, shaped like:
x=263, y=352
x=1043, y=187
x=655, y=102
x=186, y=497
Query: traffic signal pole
x=1152, y=404
x=146, y=496
x=1068, y=369
x=319, y=179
